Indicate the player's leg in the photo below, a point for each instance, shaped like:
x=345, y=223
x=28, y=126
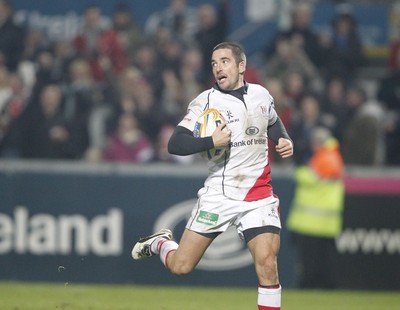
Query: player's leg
x=193, y=244
x=260, y=229
x=179, y=259
x=186, y=257
x=265, y=248
x=183, y=258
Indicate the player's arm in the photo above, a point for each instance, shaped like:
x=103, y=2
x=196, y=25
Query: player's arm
x=183, y=143
x=277, y=133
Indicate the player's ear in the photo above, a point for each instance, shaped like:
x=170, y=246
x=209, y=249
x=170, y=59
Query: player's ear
x=242, y=67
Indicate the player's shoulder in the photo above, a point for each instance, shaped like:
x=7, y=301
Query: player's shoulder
x=205, y=94
x=200, y=102
x=259, y=90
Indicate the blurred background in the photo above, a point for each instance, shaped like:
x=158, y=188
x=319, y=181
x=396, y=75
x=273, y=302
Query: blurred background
x=90, y=92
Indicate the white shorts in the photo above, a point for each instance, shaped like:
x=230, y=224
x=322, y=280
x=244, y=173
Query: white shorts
x=214, y=213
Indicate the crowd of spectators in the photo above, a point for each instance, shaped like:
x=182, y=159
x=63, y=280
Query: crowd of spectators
x=115, y=92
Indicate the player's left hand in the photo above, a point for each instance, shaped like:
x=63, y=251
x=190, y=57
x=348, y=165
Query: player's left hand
x=284, y=147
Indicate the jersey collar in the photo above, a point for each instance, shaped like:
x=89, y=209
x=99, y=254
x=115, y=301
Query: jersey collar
x=237, y=93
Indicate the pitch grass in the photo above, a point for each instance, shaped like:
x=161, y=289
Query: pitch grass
x=43, y=296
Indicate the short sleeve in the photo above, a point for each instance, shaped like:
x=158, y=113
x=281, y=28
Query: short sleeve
x=195, y=108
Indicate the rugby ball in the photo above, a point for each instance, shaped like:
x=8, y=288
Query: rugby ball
x=205, y=125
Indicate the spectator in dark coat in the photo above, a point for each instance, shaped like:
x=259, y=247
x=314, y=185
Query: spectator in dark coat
x=11, y=37
x=344, y=49
x=300, y=32
x=389, y=95
x=212, y=29
x=46, y=132
x=362, y=134
x=310, y=117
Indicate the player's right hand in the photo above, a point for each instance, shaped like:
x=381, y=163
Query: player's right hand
x=221, y=136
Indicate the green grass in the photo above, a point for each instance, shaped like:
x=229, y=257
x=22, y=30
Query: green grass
x=43, y=296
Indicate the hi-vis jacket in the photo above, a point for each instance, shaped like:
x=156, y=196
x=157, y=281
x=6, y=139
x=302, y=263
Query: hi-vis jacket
x=319, y=195
x=244, y=172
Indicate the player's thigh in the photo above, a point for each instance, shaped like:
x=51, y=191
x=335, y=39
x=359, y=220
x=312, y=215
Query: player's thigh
x=191, y=249
x=264, y=247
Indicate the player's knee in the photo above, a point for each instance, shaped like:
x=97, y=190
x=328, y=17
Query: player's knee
x=181, y=268
x=267, y=268
x=271, y=266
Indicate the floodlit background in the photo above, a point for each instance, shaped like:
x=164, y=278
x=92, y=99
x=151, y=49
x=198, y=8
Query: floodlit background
x=90, y=92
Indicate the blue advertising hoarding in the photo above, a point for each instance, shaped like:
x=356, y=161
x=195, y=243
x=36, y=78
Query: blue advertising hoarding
x=77, y=223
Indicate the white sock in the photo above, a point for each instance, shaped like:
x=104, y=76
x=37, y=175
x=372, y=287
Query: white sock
x=165, y=248
x=154, y=247
x=269, y=298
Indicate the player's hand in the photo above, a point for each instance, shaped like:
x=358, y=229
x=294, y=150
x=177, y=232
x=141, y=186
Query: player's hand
x=221, y=136
x=284, y=148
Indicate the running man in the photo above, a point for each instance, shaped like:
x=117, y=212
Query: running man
x=238, y=190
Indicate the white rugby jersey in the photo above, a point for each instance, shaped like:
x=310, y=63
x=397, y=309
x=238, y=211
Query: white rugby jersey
x=244, y=172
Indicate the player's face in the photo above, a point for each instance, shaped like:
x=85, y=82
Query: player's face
x=227, y=73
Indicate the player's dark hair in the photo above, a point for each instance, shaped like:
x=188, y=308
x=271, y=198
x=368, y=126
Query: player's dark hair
x=236, y=48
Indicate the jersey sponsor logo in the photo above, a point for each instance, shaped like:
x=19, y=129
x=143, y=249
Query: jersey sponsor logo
x=252, y=130
x=207, y=218
x=227, y=252
x=238, y=143
x=233, y=121
x=248, y=142
x=229, y=117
